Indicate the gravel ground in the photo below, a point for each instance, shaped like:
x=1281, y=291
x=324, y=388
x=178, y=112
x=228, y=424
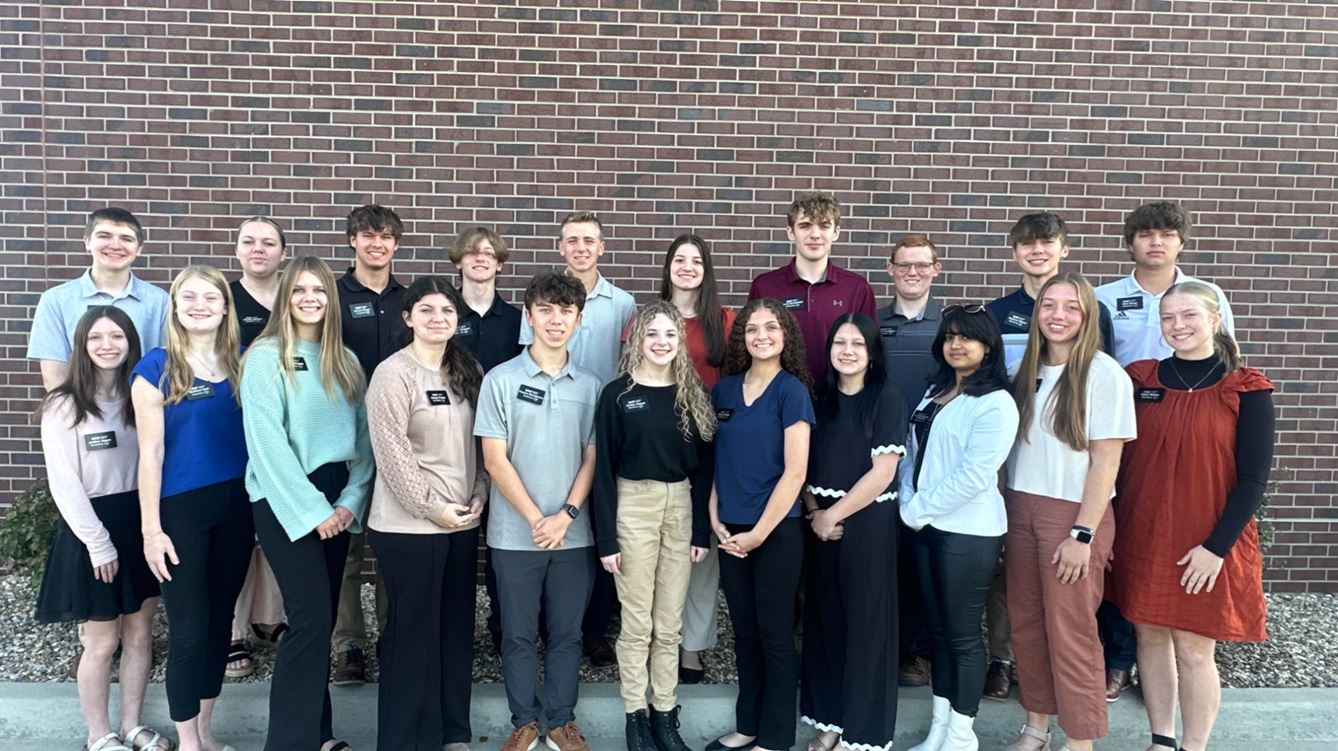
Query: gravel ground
x=1303, y=650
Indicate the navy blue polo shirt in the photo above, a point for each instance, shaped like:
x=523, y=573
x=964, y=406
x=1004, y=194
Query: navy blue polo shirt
x=750, y=444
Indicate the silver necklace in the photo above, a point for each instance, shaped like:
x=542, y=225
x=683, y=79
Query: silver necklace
x=213, y=374
x=1182, y=378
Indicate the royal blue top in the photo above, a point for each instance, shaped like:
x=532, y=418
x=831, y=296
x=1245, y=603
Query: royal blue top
x=750, y=444
x=203, y=441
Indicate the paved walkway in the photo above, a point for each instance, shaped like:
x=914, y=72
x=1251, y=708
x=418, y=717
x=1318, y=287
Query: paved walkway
x=1251, y=719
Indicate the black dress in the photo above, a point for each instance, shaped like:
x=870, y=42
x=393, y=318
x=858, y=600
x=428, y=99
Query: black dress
x=850, y=657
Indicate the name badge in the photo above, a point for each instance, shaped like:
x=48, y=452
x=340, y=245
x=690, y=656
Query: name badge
x=723, y=415
x=1128, y=303
x=253, y=320
x=439, y=398
x=1149, y=395
x=99, y=441
x=1018, y=320
x=921, y=417
x=1038, y=385
x=889, y=331
x=531, y=394
x=637, y=404
x=199, y=391
x=793, y=303
x=362, y=310
x=464, y=329
x=299, y=363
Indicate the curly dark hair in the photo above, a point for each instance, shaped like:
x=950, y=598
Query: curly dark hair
x=792, y=360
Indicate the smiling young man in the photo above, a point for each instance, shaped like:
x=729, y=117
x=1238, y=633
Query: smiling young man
x=535, y=418
x=810, y=286
x=114, y=239
x=596, y=346
x=369, y=309
x=1040, y=242
x=908, y=326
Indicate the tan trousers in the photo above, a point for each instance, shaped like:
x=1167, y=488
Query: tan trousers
x=654, y=537
x=350, y=627
x=1061, y=668
x=259, y=601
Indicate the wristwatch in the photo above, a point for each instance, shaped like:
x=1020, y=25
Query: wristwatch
x=1081, y=534
x=571, y=510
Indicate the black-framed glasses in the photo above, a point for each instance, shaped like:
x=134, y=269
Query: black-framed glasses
x=968, y=309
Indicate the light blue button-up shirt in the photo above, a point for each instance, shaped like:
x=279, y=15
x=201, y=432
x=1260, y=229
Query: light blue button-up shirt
x=60, y=308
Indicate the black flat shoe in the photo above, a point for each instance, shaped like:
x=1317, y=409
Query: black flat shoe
x=716, y=745
x=691, y=675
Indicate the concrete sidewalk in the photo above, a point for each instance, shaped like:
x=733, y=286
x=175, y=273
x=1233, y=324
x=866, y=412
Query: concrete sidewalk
x=46, y=715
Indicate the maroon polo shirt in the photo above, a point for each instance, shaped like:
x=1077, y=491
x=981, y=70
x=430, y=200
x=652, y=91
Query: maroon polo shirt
x=816, y=306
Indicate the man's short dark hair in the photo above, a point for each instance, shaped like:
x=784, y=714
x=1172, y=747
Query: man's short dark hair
x=1043, y=226
x=1157, y=215
x=555, y=289
x=817, y=206
x=374, y=218
x=116, y=215
x=581, y=217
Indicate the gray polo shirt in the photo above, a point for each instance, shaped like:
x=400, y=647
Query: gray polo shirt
x=908, y=345
x=597, y=342
x=60, y=308
x=547, y=422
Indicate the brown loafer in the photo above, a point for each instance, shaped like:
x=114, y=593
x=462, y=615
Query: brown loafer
x=1117, y=682
x=914, y=672
x=998, y=680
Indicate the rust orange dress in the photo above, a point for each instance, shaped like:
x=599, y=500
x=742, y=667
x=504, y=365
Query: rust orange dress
x=1171, y=491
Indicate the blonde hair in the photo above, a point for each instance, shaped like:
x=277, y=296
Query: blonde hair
x=691, y=403
x=1224, y=344
x=339, y=368
x=1067, y=405
x=178, y=375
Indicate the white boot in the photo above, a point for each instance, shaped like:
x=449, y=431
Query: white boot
x=938, y=726
x=960, y=735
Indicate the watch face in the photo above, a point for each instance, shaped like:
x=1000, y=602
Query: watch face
x=1081, y=536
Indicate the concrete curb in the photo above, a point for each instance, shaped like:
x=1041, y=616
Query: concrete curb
x=1249, y=717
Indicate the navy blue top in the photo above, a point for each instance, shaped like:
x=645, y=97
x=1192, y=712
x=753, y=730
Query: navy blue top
x=203, y=441
x=750, y=444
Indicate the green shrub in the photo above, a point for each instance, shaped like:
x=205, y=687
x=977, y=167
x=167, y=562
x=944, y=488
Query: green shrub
x=27, y=528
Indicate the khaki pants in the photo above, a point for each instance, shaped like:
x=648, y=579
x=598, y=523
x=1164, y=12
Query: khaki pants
x=260, y=600
x=350, y=627
x=654, y=536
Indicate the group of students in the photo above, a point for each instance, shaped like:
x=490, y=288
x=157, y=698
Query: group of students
x=807, y=441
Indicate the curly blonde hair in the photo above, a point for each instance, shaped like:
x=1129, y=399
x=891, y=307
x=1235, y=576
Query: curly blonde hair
x=691, y=402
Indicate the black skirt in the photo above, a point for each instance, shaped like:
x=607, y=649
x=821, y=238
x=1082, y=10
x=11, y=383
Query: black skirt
x=70, y=593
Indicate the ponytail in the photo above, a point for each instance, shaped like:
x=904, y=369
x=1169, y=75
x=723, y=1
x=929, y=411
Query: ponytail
x=1226, y=349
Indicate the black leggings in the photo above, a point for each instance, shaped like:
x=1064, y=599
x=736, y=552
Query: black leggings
x=308, y=571
x=760, y=591
x=211, y=530
x=955, y=572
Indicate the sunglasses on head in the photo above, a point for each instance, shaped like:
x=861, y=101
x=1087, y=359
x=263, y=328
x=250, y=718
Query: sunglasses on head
x=969, y=309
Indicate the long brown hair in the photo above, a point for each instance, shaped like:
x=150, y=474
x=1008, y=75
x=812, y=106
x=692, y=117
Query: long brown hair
x=1224, y=344
x=1067, y=405
x=462, y=371
x=691, y=403
x=792, y=353
x=339, y=368
x=81, y=385
x=178, y=375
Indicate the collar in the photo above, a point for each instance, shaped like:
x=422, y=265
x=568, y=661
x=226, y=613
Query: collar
x=351, y=282
x=134, y=288
x=1023, y=297
x=603, y=288
x=532, y=368
x=1136, y=288
x=932, y=311
x=792, y=273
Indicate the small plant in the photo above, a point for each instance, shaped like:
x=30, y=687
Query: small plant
x=27, y=528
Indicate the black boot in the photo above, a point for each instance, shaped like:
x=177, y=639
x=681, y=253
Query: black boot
x=664, y=729
x=639, y=737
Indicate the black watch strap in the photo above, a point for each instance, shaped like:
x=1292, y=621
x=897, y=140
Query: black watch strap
x=572, y=511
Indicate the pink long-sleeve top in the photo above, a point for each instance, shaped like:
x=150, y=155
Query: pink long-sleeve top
x=98, y=457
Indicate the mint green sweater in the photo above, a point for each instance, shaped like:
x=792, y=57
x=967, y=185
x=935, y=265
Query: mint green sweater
x=292, y=428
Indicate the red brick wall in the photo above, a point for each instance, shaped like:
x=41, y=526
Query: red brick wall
x=950, y=118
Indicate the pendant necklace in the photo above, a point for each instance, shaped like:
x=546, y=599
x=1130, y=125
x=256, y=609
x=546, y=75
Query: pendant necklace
x=1184, y=380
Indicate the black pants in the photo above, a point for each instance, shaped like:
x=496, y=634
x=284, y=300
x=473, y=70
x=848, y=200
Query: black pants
x=760, y=591
x=427, y=650
x=1118, y=638
x=955, y=571
x=211, y=530
x=914, y=640
x=308, y=571
x=849, y=665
